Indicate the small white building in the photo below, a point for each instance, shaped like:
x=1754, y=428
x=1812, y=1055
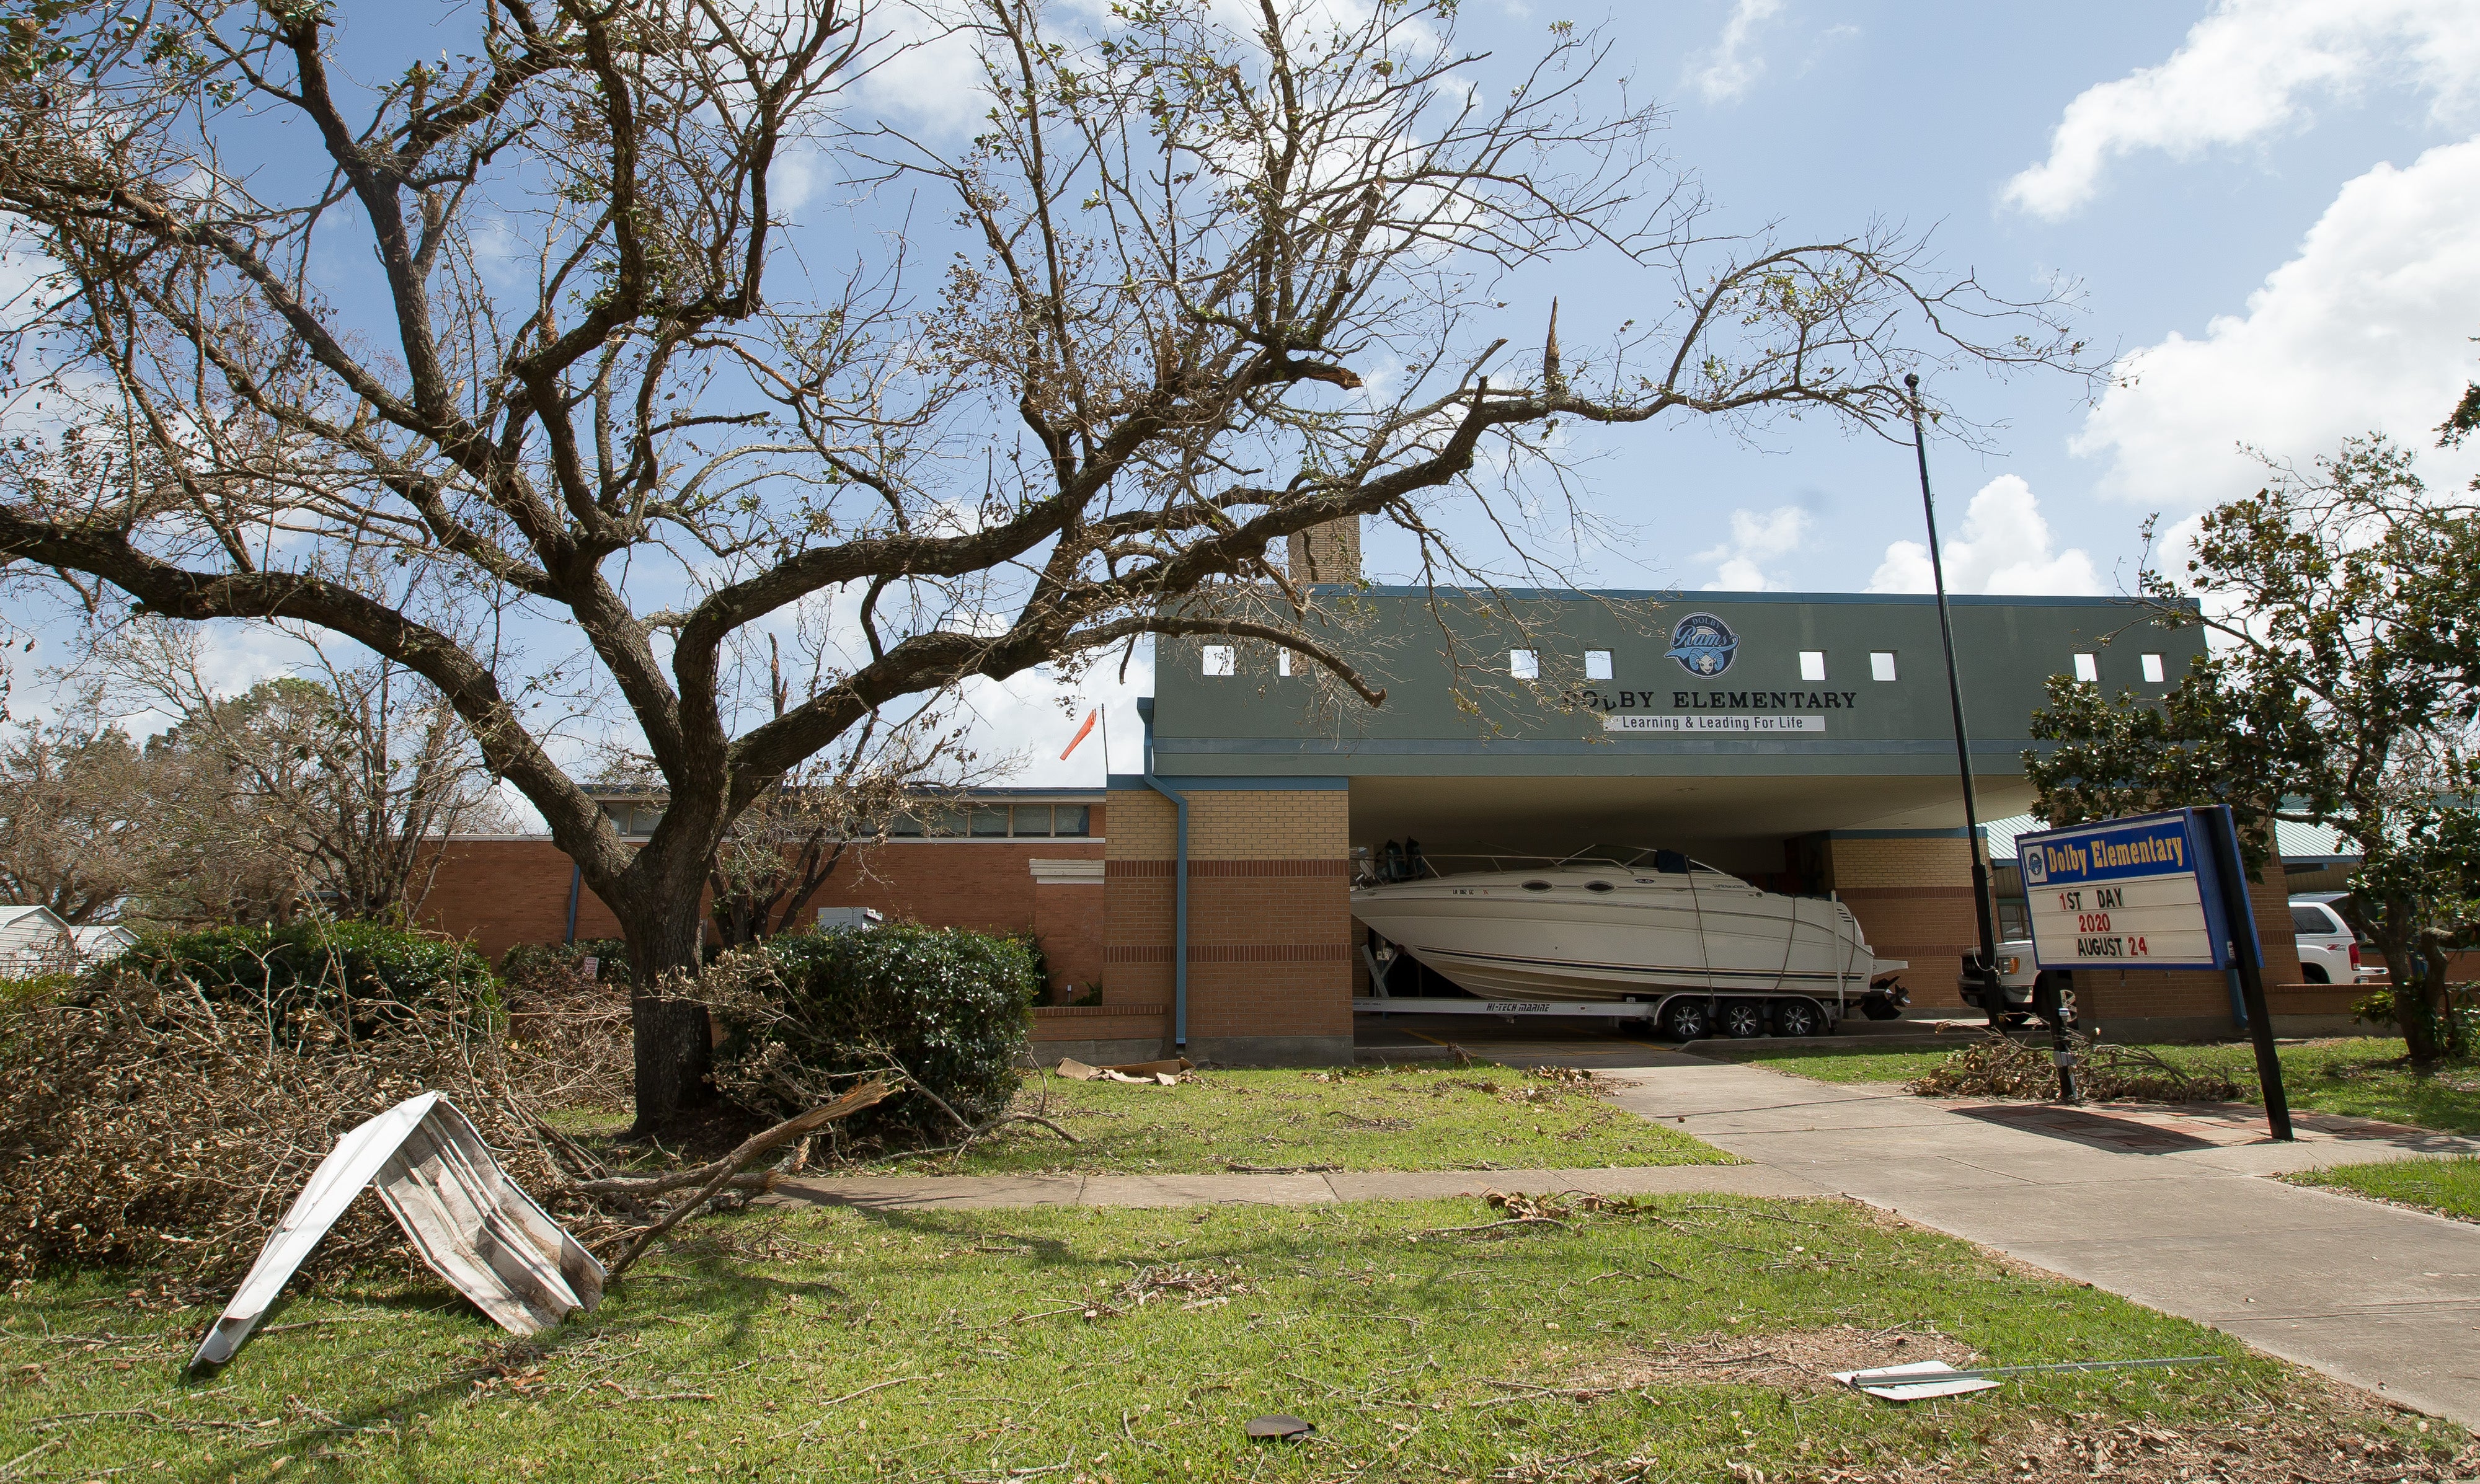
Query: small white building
x=34, y=941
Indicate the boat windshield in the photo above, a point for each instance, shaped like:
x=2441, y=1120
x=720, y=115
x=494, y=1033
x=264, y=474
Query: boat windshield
x=1639, y=857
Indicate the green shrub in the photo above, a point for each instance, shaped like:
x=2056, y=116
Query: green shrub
x=349, y=972
x=948, y=1006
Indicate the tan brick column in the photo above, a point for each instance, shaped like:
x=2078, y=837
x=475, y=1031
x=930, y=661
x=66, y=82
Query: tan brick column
x=1269, y=923
x=1912, y=897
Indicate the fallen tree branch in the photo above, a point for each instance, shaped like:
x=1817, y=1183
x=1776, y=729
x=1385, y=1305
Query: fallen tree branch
x=865, y=1095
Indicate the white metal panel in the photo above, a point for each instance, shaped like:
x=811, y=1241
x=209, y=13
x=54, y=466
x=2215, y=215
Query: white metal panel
x=474, y=1226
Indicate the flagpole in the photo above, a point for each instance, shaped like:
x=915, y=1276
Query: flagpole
x=1105, y=710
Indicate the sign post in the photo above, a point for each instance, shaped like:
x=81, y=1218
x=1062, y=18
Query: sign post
x=2153, y=891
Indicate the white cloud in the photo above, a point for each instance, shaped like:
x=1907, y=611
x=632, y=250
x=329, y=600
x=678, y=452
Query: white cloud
x=1733, y=64
x=2245, y=71
x=2368, y=327
x=1755, y=540
x=2004, y=546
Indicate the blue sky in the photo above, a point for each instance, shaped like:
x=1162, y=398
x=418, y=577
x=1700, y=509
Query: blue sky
x=2270, y=204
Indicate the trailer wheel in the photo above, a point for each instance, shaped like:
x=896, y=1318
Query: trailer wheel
x=1685, y=1019
x=1799, y=1017
x=1744, y=1018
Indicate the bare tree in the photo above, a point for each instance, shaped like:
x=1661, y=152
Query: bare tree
x=74, y=835
x=1203, y=286
x=334, y=785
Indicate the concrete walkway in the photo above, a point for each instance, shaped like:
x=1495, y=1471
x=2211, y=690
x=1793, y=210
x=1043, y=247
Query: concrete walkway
x=2170, y=1210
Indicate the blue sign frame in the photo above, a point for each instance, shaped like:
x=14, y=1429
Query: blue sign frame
x=2183, y=841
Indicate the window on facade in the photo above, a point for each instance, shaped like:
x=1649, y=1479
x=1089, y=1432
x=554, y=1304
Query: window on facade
x=904, y=826
x=2089, y=667
x=1218, y=658
x=989, y=820
x=2151, y=668
x=1812, y=664
x=1882, y=664
x=1598, y=664
x=1524, y=664
x=1068, y=819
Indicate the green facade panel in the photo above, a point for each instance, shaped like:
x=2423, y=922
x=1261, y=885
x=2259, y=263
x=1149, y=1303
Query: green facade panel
x=1455, y=708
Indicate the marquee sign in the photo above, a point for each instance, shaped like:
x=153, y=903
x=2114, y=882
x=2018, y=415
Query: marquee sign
x=2134, y=893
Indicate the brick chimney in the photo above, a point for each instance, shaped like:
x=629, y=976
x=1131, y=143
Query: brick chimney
x=1327, y=553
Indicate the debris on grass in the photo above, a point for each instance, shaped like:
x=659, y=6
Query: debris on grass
x=1167, y=1073
x=472, y=1224
x=1993, y=1065
x=1282, y=1425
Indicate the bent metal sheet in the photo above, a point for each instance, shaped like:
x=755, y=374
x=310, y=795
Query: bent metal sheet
x=2124, y=893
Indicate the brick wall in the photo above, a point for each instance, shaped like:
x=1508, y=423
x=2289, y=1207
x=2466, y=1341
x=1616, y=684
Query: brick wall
x=1912, y=897
x=499, y=892
x=1270, y=920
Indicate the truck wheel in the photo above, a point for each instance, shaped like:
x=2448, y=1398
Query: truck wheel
x=1685, y=1019
x=1744, y=1018
x=1798, y=1017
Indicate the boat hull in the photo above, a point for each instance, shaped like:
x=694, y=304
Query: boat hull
x=1594, y=934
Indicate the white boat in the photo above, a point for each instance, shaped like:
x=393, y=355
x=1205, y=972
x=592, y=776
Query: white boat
x=1621, y=923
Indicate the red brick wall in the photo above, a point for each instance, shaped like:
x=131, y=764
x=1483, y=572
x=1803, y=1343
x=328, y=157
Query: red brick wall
x=499, y=892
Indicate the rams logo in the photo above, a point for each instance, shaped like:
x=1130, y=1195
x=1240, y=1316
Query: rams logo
x=1702, y=644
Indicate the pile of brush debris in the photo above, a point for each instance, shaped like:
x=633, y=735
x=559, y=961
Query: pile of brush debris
x=1993, y=1065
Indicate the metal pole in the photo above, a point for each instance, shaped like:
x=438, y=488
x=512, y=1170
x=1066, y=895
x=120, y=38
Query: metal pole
x=2238, y=920
x=1984, y=973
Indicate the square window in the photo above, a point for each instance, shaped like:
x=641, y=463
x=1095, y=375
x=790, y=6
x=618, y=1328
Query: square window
x=1218, y=659
x=1812, y=664
x=1283, y=661
x=1068, y=819
x=1882, y=664
x=989, y=820
x=1524, y=664
x=1598, y=664
x=1031, y=819
x=2151, y=668
x=2089, y=667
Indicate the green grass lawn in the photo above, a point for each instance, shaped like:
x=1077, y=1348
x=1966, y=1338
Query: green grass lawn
x=1131, y=1345
x=2362, y=1077
x=1419, y=1117
x=2449, y=1187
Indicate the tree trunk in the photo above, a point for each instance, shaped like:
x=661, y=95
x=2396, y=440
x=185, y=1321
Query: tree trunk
x=2406, y=979
x=674, y=1045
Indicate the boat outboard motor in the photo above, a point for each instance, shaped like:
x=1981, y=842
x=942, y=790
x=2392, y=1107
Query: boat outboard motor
x=1390, y=862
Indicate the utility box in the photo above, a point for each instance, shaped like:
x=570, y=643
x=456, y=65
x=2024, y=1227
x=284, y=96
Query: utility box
x=831, y=917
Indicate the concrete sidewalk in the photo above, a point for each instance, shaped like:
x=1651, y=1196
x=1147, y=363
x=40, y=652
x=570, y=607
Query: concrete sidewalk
x=2169, y=1209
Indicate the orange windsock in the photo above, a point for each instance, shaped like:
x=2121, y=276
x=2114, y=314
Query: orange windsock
x=1081, y=732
